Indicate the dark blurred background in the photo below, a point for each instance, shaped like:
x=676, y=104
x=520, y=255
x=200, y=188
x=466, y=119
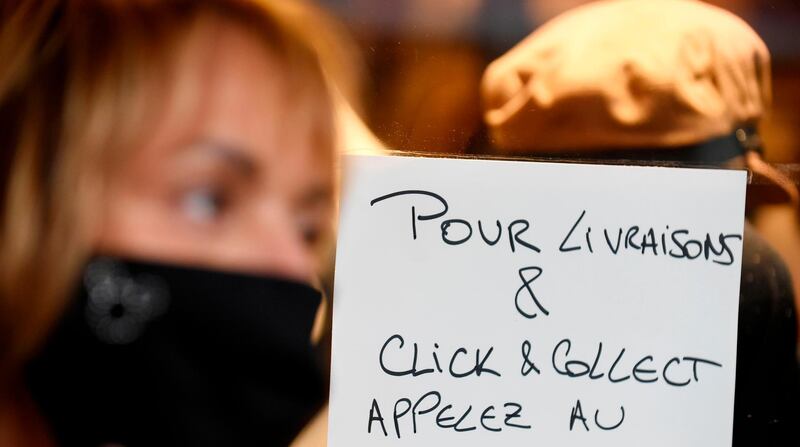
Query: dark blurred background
x=423, y=61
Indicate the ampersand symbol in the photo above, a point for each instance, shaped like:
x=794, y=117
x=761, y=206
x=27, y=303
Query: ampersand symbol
x=527, y=363
x=526, y=286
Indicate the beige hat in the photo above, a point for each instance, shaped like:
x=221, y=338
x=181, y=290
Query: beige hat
x=627, y=74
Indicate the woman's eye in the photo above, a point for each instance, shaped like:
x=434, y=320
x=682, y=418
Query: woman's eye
x=202, y=204
x=309, y=231
x=311, y=236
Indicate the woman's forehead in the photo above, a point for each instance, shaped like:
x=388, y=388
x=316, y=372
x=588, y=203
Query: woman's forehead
x=228, y=86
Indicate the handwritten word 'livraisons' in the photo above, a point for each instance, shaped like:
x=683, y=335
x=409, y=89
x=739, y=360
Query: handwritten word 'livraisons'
x=675, y=242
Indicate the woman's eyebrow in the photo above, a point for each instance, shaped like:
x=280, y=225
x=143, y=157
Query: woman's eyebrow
x=234, y=156
x=316, y=194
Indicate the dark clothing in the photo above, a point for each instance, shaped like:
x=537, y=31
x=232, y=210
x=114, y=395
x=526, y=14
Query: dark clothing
x=767, y=375
x=152, y=354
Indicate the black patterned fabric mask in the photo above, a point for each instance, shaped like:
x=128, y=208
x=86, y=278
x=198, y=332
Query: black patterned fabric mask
x=154, y=354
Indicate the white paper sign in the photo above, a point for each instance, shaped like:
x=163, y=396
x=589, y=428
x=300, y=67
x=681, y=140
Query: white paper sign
x=519, y=304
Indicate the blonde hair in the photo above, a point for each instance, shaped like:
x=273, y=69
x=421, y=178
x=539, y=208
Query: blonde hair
x=80, y=78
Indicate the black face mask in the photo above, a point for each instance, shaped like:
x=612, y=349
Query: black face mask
x=151, y=354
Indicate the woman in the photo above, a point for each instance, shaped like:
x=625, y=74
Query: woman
x=166, y=197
